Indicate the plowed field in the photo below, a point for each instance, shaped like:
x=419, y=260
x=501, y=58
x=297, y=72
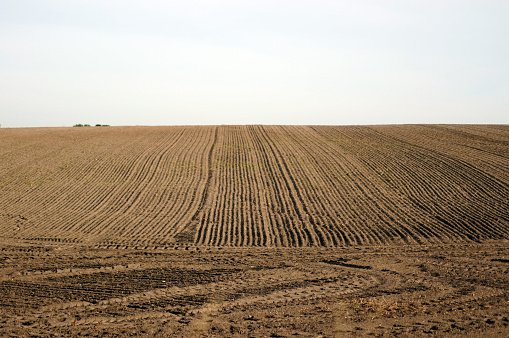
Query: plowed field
x=268, y=186
x=255, y=231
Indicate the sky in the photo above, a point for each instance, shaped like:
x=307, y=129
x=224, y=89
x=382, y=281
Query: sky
x=197, y=62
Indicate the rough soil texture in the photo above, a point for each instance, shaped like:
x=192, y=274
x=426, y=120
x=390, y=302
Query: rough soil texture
x=255, y=231
x=406, y=290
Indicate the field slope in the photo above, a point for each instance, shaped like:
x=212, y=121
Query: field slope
x=267, y=186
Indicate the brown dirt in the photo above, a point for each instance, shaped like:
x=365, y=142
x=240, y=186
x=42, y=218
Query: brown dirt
x=255, y=231
x=440, y=290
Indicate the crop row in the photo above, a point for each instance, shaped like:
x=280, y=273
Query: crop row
x=330, y=186
x=271, y=186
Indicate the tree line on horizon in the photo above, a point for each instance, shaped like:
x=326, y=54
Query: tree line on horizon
x=88, y=125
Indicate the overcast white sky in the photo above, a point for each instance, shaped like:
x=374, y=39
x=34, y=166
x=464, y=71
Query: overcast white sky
x=253, y=62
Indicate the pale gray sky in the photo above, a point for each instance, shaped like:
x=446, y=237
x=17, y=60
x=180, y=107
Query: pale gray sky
x=253, y=62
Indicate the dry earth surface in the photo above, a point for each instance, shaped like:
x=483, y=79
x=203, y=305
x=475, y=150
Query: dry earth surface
x=255, y=231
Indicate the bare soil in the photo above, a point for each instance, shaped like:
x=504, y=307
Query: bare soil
x=407, y=291
x=272, y=231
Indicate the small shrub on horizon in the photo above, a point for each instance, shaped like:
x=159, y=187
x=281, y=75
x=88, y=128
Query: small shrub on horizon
x=88, y=125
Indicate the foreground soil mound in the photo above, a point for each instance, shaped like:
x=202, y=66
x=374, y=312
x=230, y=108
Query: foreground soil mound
x=266, y=186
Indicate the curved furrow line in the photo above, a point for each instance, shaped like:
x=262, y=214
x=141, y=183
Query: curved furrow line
x=23, y=148
x=288, y=213
x=240, y=152
x=160, y=184
x=114, y=195
x=186, y=233
x=347, y=171
x=501, y=131
x=248, y=199
x=359, y=189
x=310, y=182
x=195, y=153
x=250, y=202
x=277, y=204
x=89, y=173
x=387, y=196
x=432, y=189
x=420, y=187
x=447, y=157
x=200, y=154
x=241, y=234
x=152, y=223
x=97, y=226
x=336, y=190
x=171, y=211
x=454, y=169
x=102, y=212
x=485, y=153
x=468, y=174
x=214, y=219
x=236, y=227
x=225, y=233
x=310, y=238
x=102, y=204
x=243, y=207
x=307, y=181
x=372, y=159
x=260, y=217
x=206, y=226
x=316, y=153
x=249, y=185
x=476, y=135
x=154, y=177
x=271, y=237
x=151, y=218
x=37, y=191
x=55, y=204
x=366, y=191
